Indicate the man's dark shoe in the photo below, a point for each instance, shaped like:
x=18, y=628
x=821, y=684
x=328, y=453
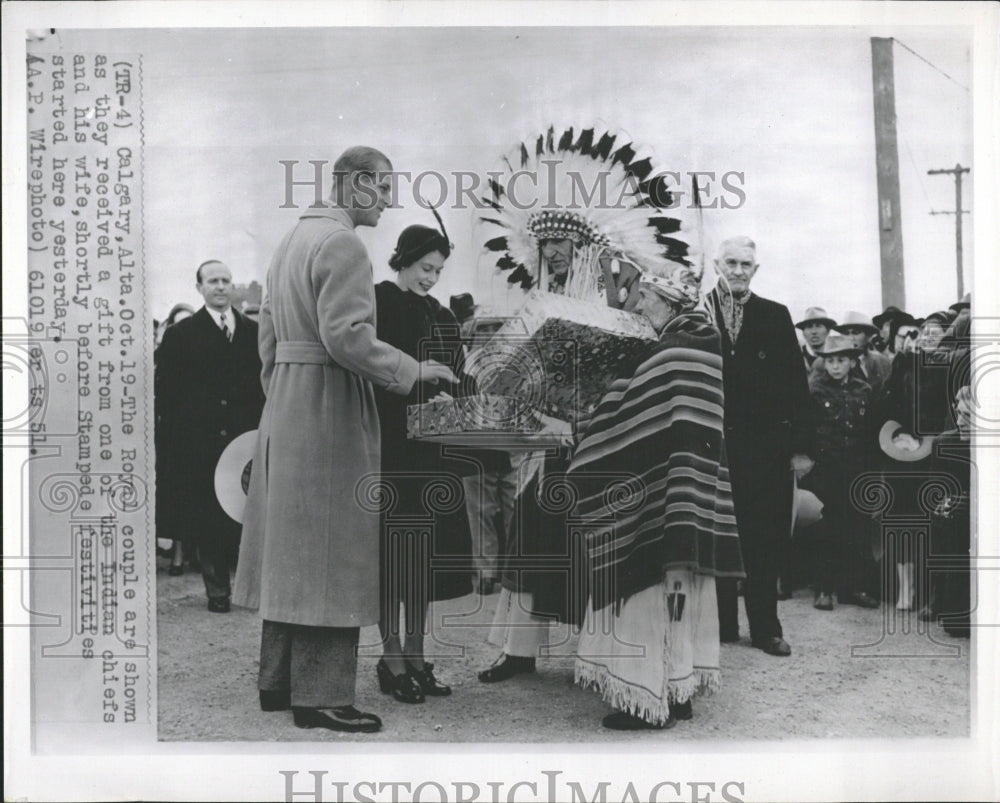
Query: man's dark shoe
x=175, y=571
x=622, y=721
x=681, y=711
x=275, y=700
x=488, y=586
x=823, y=602
x=774, y=646
x=219, y=604
x=958, y=630
x=861, y=599
x=506, y=667
x=346, y=719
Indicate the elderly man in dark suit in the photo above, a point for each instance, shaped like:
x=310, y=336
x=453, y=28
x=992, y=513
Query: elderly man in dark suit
x=208, y=392
x=767, y=420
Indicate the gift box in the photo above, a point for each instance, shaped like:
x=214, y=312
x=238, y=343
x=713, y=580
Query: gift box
x=486, y=421
x=560, y=354
x=481, y=413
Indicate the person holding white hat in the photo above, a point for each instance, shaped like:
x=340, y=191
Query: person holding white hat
x=769, y=433
x=843, y=435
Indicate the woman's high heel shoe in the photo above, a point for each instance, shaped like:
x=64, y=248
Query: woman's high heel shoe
x=403, y=687
x=429, y=684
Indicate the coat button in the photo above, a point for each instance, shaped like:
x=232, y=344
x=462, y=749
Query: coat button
x=761, y=355
x=223, y=402
x=222, y=433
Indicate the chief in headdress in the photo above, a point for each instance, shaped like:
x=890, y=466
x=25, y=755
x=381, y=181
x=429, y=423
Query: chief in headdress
x=580, y=213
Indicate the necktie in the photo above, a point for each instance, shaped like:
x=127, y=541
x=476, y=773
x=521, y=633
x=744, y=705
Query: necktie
x=225, y=329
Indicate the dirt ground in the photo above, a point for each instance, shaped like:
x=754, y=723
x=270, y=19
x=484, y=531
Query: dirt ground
x=853, y=673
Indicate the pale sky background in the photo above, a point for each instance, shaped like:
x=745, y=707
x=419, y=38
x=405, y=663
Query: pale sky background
x=791, y=109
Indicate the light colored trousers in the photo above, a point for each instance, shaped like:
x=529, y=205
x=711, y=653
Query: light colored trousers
x=489, y=496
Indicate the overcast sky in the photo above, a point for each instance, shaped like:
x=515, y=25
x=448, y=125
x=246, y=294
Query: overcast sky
x=790, y=109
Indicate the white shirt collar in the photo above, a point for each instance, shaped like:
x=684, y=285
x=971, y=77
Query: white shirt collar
x=226, y=315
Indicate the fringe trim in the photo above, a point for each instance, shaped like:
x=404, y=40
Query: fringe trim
x=623, y=696
x=703, y=681
x=642, y=702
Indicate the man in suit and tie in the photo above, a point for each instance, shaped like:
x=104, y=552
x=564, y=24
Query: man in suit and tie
x=208, y=391
x=768, y=437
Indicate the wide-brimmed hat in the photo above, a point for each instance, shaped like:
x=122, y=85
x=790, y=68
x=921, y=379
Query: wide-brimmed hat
x=838, y=344
x=943, y=317
x=892, y=313
x=806, y=508
x=232, y=474
x=890, y=429
x=816, y=315
x=856, y=319
x=463, y=306
x=963, y=303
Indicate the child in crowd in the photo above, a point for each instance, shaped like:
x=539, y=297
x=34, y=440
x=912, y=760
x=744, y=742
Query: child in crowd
x=841, y=548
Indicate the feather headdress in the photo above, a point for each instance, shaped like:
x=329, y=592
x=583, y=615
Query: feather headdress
x=593, y=188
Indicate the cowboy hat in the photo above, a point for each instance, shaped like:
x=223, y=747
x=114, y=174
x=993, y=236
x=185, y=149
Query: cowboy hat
x=943, y=317
x=856, y=320
x=890, y=429
x=963, y=303
x=892, y=313
x=816, y=315
x=232, y=474
x=838, y=344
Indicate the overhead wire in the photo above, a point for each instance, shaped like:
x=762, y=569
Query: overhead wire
x=929, y=63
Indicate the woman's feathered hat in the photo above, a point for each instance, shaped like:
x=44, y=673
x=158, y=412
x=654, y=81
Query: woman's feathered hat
x=590, y=187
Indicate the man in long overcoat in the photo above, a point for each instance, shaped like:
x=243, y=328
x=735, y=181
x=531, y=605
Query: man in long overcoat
x=207, y=393
x=768, y=437
x=309, y=557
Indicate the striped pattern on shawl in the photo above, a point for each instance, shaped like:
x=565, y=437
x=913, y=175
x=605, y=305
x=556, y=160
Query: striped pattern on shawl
x=662, y=429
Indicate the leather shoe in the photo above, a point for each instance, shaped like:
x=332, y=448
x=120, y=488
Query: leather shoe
x=429, y=684
x=506, y=667
x=681, y=710
x=861, y=599
x=487, y=586
x=823, y=602
x=623, y=721
x=774, y=646
x=275, y=699
x=404, y=688
x=176, y=571
x=346, y=718
x=219, y=604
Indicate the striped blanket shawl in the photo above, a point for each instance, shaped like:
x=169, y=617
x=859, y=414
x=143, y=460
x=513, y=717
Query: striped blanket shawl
x=650, y=472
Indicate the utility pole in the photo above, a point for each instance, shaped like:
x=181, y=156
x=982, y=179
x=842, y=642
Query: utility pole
x=890, y=229
x=956, y=171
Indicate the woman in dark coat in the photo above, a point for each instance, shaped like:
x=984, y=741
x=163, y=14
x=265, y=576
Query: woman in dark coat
x=425, y=538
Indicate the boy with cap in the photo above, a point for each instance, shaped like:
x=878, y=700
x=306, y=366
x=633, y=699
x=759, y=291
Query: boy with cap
x=843, y=433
